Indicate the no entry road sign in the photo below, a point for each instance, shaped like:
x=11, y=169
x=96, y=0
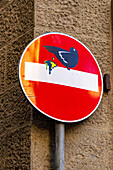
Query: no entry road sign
x=60, y=77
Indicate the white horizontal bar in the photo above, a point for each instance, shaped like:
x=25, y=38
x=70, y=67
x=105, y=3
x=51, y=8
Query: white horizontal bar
x=61, y=76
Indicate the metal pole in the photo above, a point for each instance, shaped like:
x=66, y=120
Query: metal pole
x=59, y=148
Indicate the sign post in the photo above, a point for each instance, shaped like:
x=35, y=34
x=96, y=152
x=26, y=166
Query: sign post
x=62, y=79
x=59, y=146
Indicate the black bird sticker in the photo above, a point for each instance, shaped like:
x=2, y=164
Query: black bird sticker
x=67, y=58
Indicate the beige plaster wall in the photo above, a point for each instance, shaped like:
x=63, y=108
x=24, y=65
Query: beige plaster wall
x=88, y=144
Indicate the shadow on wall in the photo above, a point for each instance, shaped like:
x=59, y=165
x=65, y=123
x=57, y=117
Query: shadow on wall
x=44, y=126
x=44, y=123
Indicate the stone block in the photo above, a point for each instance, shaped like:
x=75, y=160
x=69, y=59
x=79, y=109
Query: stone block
x=18, y=149
x=95, y=18
x=4, y=2
x=43, y=137
x=3, y=52
x=88, y=148
x=3, y=151
x=15, y=110
x=16, y=19
x=59, y=15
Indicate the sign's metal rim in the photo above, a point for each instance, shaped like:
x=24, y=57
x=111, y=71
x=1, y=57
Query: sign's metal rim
x=65, y=121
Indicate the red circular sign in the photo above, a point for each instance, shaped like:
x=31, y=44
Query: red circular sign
x=60, y=77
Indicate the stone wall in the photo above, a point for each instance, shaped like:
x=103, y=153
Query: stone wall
x=88, y=144
x=17, y=27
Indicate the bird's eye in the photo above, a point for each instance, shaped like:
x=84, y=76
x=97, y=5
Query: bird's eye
x=73, y=49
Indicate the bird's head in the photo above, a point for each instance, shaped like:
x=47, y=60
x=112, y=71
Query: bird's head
x=73, y=50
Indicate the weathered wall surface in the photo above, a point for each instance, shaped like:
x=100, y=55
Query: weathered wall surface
x=17, y=25
x=88, y=144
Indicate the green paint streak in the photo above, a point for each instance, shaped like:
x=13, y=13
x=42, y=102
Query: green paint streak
x=51, y=65
x=46, y=64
